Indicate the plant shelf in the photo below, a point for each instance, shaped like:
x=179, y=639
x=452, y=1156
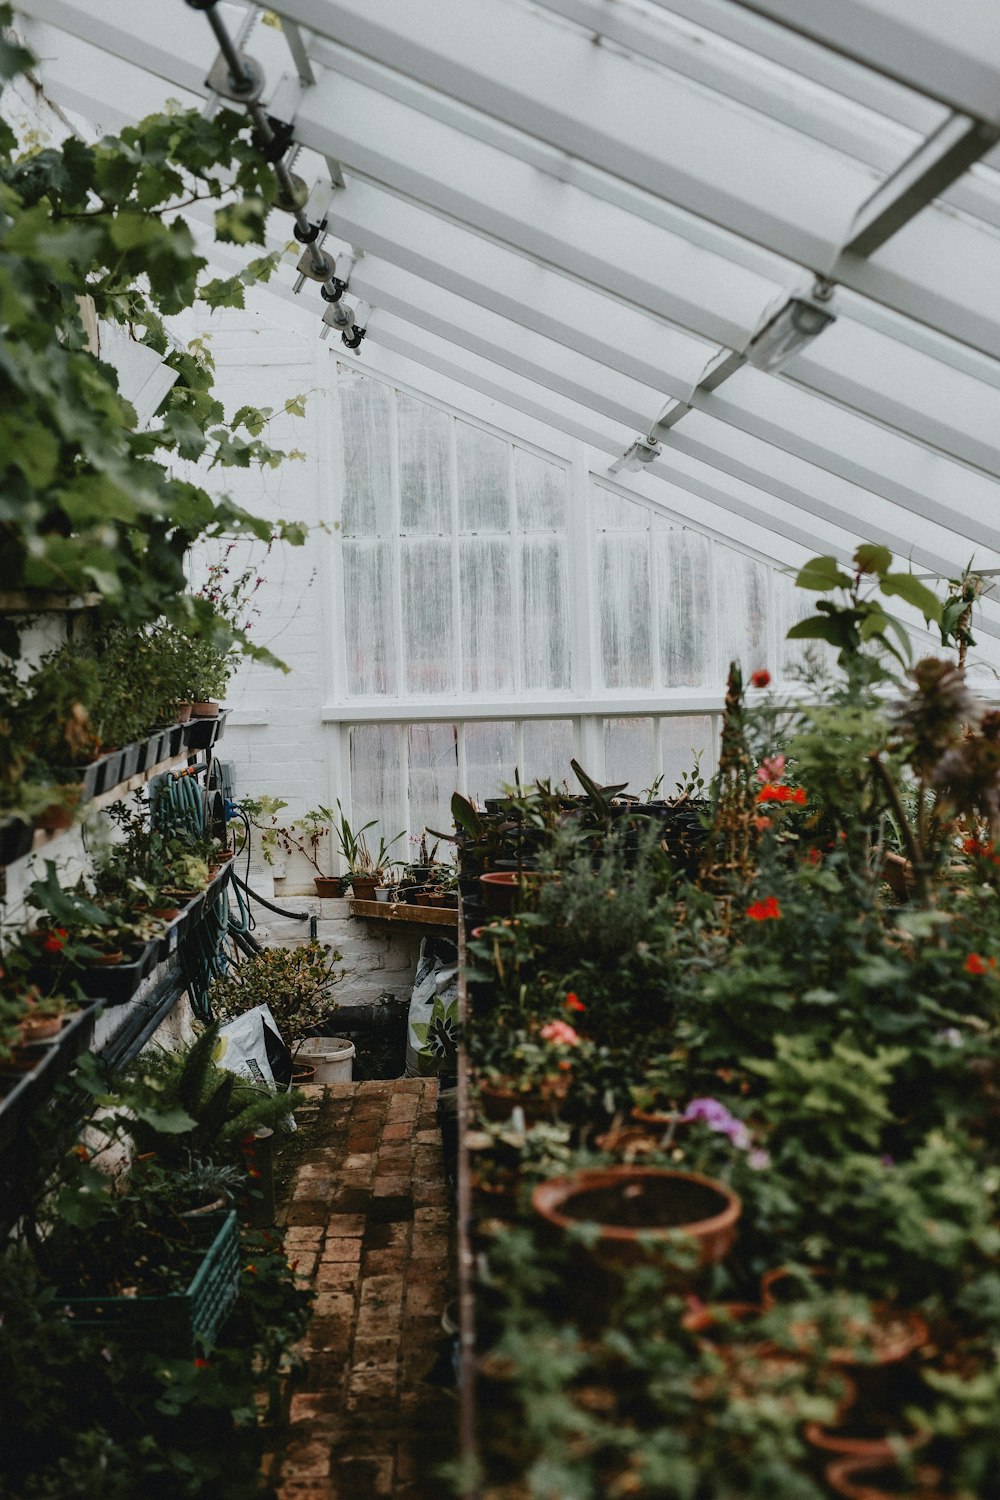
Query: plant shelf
x=34, y=1089
x=400, y=911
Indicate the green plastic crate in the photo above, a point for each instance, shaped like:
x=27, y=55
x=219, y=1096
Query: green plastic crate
x=178, y=1322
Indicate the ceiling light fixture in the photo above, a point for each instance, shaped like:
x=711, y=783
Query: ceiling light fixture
x=792, y=327
x=636, y=456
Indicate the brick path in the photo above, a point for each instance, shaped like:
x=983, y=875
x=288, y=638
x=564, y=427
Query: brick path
x=369, y=1224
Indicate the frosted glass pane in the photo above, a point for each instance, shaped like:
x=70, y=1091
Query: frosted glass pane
x=370, y=618
x=366, y=423
x=424, y=467
x=489, y=759
x=548, y=750
x=428, y=654
x=790, y=606
x=485, y=590
x=483, y=480
x=544, y=620
x=684, y=600
x=377, y=783
x=615, y=513
x=741, y=613
x=623, y=574
x=541, y=493
x=433, y=761
x=630, y=753
x=682, y=740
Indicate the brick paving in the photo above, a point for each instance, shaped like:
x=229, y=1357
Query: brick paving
x=369, y=1223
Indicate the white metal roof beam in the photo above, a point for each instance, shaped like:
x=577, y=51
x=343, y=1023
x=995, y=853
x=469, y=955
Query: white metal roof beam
x=454, y=174
x=942, y=158
x=949, y=52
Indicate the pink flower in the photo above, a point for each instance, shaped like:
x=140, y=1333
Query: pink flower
x=771, y=769
x=559, y=1033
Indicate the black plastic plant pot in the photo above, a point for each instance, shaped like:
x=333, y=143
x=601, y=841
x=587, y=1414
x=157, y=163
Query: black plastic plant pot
x=117, y=983
x=109, y=771
x=15, y=840
x=130, y=761
x=202, y=734
x=25, y=1093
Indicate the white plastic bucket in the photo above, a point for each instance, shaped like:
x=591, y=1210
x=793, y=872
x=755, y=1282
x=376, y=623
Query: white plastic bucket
x=331, y=1056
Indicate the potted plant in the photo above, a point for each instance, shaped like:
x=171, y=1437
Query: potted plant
x=297, y=984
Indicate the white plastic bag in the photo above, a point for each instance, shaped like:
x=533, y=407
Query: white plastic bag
x=432, y=1022
x=251, y=1045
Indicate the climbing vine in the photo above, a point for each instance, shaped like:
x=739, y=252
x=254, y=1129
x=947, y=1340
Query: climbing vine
x=88, y=503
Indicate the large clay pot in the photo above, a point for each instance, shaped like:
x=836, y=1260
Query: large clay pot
x=499, y=889
x=638, y=1208
x=876, y=1479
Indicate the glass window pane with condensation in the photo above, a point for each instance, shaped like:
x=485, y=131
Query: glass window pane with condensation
x=686, y=741
x=545, y=656
x=366, y=426
x=377, y=783
x=490, y=755
x=625, y=606
x=483, y=479
x=540, y=487
x=433, y=776
x=629, y=754
x=487, y=637
x=372, y=649
x=614, y=513
x=683, y=588
x=790, y=606
x=742, y=613
x=548, y=750
x=424, y=468
x=428, y=652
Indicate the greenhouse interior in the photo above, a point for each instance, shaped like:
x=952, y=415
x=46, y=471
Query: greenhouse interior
x=500, y=754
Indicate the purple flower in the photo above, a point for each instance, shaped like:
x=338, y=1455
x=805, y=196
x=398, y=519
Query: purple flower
x=758, y=1160
x=717, y=1117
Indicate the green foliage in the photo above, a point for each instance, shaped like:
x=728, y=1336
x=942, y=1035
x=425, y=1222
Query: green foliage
x=87, y=502
x=296, y=983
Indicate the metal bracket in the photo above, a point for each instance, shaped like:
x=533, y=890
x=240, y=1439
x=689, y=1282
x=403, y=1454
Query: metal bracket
x=281, y=138
x=246, y=90
x=306, y=266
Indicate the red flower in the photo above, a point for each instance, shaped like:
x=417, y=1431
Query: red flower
x=767, y=910
x=56, y=940
x=976, y=964
x=983, y=850
x=573, y=1002
x=760, y=679
x=203, y=1364
x=813, y=857
x=771, y=793
x=762, y=824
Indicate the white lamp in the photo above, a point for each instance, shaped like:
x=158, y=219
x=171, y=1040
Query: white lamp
x=793, y=326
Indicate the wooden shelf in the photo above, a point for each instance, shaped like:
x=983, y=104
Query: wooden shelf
x=399, y=911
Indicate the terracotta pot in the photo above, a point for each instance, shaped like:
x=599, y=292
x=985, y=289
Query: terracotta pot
x=39, y=1029
x=183, y=711
x=866, y=1479
x=636, y=1208
x=205, y=709
x=899, y=1331
x=363, y=887
x=302, y=1073
x=497, y=1102
x=850, y=1439
x=499, y=890
x=326, y=885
